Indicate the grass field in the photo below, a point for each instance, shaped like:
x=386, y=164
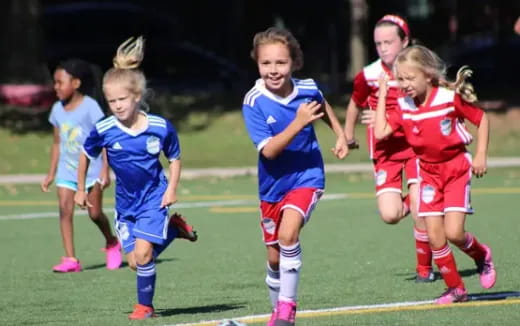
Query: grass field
x=350, y=259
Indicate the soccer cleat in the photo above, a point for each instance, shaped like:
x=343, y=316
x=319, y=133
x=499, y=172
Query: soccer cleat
x=185, y=230
x=141, y=312
x=272, y=319
x=114, y=258
x=67, y=265
x=452, y=295
x=286, y=313
x=486, y=269
x=425, y=276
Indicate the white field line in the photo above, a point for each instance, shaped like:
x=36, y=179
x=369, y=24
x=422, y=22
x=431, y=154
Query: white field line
x=257, y=318
x=210, y=203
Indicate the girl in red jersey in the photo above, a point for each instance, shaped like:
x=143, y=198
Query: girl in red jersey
x=391, y=156
x=432, y=118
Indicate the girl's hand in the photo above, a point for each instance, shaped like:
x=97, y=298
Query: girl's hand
x=383, y=84
x=368, y=117
x=308, y=112
x=81, y=199
x=104, y=179
x=479, y=165
x=49, y=179
x=169, y=198
x=341, y=148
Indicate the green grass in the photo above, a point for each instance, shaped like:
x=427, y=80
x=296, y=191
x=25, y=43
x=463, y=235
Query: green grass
x=223, y=143
x=350, y=258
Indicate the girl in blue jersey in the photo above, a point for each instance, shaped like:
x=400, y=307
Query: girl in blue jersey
x=278, y=112
x=134, y=140
x=73, y=116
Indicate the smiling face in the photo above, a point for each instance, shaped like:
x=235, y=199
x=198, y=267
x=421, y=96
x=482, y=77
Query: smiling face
x=275, y=67
x=413, y=81
x=388, y=43
x=121, y=101
x=64, y=84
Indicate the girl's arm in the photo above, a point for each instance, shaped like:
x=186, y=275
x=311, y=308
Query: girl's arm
x=340, y=150
x=105, y=171
x=81, y=196
x=381, y=127
x=351, y=116
x=170, y=196
x=307, y=113
x=479, y=165
x=55, y=155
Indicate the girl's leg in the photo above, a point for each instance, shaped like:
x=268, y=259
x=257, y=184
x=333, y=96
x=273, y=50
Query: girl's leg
x=422, y=245
x=145, y=265
x=99, y=218
x=390, y=205
x=272, y=278
x=445, y=261
x=469, y=244
x=66, y=205
x=69, y=263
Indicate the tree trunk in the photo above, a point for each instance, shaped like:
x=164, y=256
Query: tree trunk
x=21, y=43
x=358, y=45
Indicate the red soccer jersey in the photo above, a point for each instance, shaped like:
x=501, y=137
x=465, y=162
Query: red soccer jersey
x=436, y=130
x=364, y=94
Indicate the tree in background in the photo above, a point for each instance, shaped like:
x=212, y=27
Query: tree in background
x=21, y=43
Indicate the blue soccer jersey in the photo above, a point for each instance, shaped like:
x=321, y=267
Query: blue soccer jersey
x=300, y=164
x=134, y=158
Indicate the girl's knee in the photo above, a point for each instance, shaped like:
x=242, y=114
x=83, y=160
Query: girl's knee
x=390, y=218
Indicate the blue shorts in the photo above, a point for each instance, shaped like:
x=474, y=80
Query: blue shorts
x=150, y=225
x=72, y=185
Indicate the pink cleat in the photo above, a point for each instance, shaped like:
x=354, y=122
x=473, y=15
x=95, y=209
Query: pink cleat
x=486, y=269
x=67, y=265
x=114, y=259
x=452, y=295
x=272, y=319
x=141, y=312
x=286, y=313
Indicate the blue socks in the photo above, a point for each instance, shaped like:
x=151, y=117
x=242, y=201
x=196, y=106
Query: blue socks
x=146, y=283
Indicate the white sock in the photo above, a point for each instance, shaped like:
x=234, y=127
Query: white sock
x=273, y=284
x=290, y=264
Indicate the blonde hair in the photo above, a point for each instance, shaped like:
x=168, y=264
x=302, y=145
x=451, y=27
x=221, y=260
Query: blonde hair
x=283, y=36
x=125, y=71
x=430, y=63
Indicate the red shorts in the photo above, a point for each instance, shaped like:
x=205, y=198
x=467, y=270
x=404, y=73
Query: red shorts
x=302, y=199
x=445, y=187
x=388, y=174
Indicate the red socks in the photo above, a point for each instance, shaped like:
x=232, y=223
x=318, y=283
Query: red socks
x=445, y=261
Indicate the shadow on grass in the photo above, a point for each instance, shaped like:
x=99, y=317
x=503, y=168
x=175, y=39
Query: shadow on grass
x=199, y=309
x=125, y=264
x=463, y=273
x=502, y=295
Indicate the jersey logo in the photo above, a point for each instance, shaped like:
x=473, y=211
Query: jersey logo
x=446, y=126
x=270, y=120
x=153, y=145
x=381, y=177
x=117, y=145
x=415, y=130
x=427, y=194
x=269, y=225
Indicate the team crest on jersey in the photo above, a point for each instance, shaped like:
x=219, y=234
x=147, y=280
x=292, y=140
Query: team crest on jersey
x=446, y=126
x=269, y=225
x=381, y=177
x=427, y=194
x=153, y=145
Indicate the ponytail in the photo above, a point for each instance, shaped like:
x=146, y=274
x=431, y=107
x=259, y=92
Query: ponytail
x=461, y=86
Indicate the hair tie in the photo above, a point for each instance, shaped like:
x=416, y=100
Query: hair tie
x=398, y=21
